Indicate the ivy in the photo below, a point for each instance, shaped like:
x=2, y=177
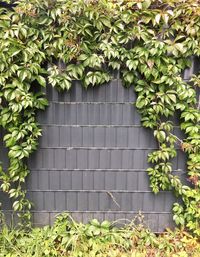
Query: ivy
x=150, y=42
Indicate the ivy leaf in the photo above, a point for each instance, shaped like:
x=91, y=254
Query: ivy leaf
x=180, y=47
x=22, y=74
x=128, y=77
x=139, y=5
x=146, y=4
x=165, y=18
x=172, y=97
x=106, y=22
x=157, y=18
x=132, y=64
x=17, y=206
x=41, y=80
x=82, y=57
x=66, y=84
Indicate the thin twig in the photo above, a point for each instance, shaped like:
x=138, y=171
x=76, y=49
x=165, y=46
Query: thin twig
x=113, y=198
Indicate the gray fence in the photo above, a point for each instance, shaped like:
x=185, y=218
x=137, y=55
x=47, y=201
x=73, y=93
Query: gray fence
x=92, y=159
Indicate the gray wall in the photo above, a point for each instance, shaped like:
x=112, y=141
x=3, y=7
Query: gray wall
x=92, y=159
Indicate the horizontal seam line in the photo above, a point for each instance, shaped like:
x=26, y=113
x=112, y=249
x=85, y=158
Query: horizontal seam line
x=97, y=170
x=93, y=191
x=97, y=148
x=109, y=211
x=95, y=103
x=107, y=126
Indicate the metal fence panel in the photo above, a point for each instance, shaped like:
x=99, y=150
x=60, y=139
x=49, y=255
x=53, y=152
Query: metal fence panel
x=92, y=158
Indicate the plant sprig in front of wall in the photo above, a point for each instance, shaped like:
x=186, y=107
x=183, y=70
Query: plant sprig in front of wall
x=149, y=42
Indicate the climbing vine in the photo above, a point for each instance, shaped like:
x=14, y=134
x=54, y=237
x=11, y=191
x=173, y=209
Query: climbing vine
x=150, y=42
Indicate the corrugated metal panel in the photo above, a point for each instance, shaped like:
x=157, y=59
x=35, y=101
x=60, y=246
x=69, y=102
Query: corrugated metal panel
x=92, y=158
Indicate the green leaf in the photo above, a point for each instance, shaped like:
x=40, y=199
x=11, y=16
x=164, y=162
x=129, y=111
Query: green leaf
x=129, y=77
x=66, y=84
x=106, y=22
x=105, y=224
x=16, y=206
x=95, y=222
x=139, y=5
x=172, y=97
x=146, y=4
x=157, y=18
x=41, y=80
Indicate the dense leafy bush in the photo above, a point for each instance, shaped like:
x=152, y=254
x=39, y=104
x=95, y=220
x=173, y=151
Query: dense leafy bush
x=68, y=238
x=149, y=41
